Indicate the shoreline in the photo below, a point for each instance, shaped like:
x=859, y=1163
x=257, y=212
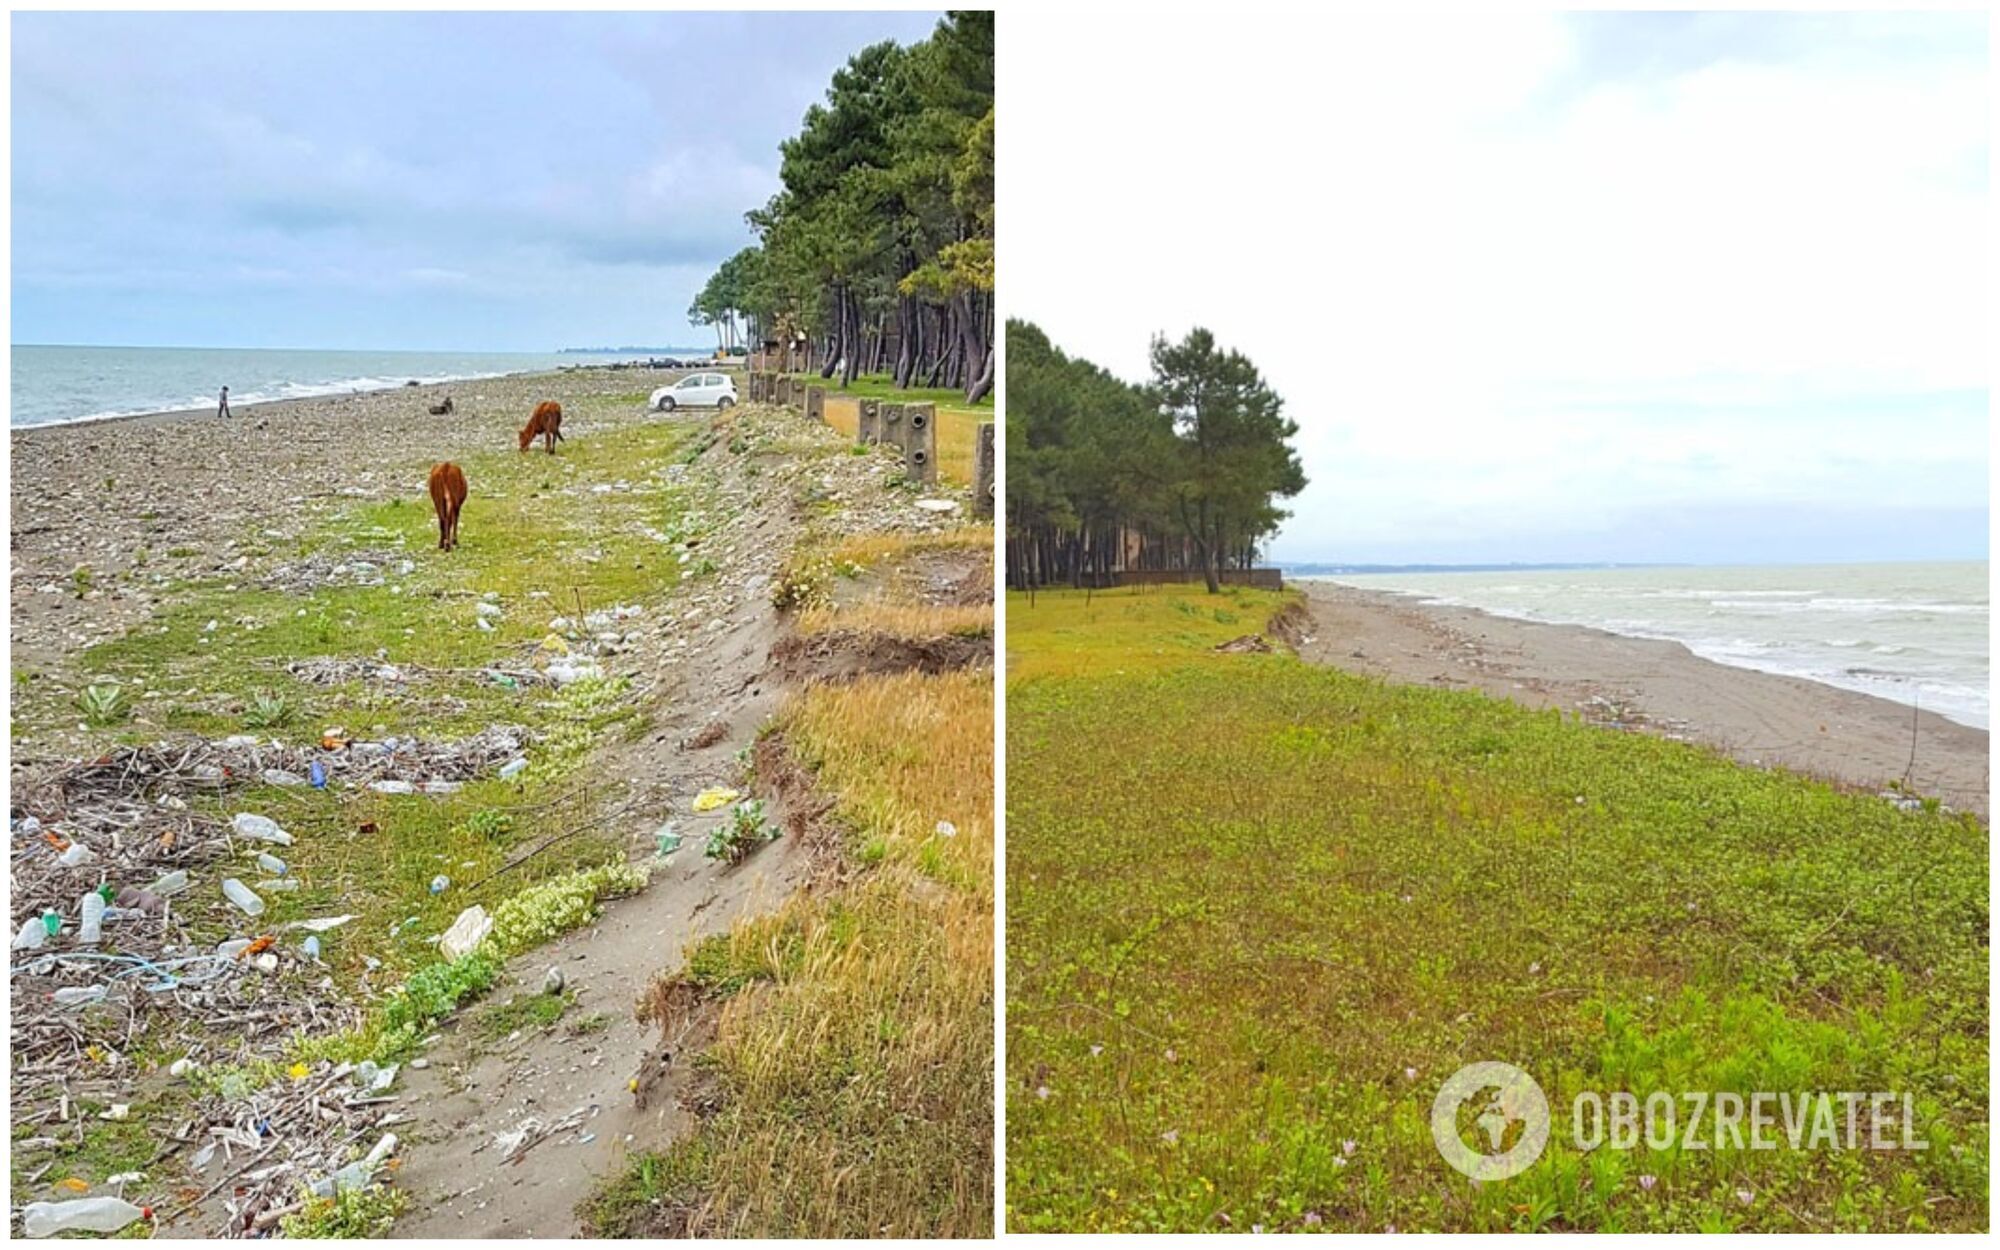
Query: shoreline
x=1651, y=685
x=251, y=407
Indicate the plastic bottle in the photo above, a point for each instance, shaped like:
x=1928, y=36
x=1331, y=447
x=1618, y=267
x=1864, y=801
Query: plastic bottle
x=77, y=855
x=260, y=828
x=90, y=930
x=312, y=946
x=279, y=886
x=52, y=921
x=318, y=775
x=243, y=896
x=172, y=883
x=232, y=947
x=93, y=1215
x=78, y=995
x=271, y=863
x=359, y=1173
x=440, y=883
x=32, y=935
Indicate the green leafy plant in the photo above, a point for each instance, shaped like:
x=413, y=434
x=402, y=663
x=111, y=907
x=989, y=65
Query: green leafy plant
x=267, y=709
x=745, y=831
x=105, y=704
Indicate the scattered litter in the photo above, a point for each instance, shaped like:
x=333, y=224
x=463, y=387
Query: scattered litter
x=715, y=796
x=513, y=768
x=466, y=933
x=938, y=505
x=260, y=828
x=667, y=840
x=440, y=883
x=245, y=899
x=90, y=1215
x=392, y=786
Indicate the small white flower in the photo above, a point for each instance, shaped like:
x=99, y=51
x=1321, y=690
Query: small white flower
x=945, y=829
x=1745, y=1195
x=1349, y=1146
x=1172, y=1137
x=1409, y=1074
x=1096, y=1050
x=1042, y=1092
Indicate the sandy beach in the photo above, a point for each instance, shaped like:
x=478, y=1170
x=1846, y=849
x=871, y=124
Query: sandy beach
x=1651, y=686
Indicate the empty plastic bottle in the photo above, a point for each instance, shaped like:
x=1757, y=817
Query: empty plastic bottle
x=279, y=886
x=78, y=995
x=172, y=883
x=312, y=946
x=243, y=896
x=359, y=1173
x=271, y=863
x=32, y=935
x=261, y=828
x=318, y=775
x=90, y=929
x=91, y=1215
x=77, y=855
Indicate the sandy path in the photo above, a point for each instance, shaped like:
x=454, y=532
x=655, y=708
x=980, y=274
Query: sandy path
x=1659, y=687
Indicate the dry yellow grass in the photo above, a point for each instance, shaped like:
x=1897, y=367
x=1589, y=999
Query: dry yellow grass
x=856, y=1051
x=957, y=433
x=903, y=620
x=872, y=549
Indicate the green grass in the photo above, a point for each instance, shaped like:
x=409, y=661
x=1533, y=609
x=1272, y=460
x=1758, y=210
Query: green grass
x=1259, y=910
x=883, y=386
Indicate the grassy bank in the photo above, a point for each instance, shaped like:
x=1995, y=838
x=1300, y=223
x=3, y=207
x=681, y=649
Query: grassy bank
x=958, y=422
x=853, y=1062
x=1259, y=911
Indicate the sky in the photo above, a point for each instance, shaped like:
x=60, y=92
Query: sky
x=465, y=182
x=1625, y=287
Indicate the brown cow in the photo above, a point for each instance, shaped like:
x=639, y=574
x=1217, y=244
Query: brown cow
x=447, y=496
x=546, y=425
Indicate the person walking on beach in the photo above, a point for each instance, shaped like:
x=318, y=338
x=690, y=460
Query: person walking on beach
x=222, y=408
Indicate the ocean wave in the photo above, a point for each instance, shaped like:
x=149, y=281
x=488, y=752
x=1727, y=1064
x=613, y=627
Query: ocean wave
x=277, y=393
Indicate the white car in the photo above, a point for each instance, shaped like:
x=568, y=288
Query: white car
x=696, y=390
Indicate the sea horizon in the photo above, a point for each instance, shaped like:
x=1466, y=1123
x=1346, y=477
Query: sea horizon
x=61, y=384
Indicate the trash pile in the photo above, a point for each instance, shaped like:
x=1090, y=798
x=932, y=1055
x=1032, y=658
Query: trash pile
x=113, y=871
x=371, y=567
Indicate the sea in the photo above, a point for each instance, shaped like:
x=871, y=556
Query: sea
x=58, y=384
x=1915, y=633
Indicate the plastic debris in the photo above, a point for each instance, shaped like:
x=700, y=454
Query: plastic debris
x=271, y=863
x=513, y=768
x=243, y=896
x=90, y=929
x=279, y=777
x=440, y=883
x=88, y=1215
x=715, y=796
x=259, y=828
x=392, y=786
x=358, y=1174
x=321, y=924
x=32, y=936
x=466, y=933
x=666, y=840
x=311, y=946
x=318, y=775
x=78, y=995
x=170, y=884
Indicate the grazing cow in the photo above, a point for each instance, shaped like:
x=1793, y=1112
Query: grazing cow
x=447, y=496
x=443, y=409
x=546, y=425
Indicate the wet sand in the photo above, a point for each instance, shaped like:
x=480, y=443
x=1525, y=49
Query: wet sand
x=1652, y=686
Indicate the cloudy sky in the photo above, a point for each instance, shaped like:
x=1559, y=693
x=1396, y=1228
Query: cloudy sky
x=376, y=181
x=1622, y=287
